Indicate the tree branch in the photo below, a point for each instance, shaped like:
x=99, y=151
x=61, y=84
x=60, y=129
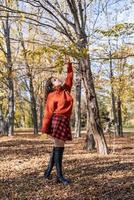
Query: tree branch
x=73, y=10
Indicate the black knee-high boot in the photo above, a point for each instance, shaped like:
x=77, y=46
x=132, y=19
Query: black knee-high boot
x=58, y=162
x=50, y=165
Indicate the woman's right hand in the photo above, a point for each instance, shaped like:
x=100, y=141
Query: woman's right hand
x=67, y=60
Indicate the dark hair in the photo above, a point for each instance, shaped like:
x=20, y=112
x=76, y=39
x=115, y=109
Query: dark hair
x=48, y=87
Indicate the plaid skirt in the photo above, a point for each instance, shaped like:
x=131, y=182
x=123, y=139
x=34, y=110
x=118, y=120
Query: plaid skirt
x=60, y=127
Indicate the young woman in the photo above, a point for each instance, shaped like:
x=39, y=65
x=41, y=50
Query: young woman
x=56, y=119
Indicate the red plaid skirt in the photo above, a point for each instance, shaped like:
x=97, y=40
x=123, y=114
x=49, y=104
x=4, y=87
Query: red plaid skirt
x=60, y=127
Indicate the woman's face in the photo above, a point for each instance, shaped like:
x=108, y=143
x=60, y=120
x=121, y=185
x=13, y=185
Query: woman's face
x=56, y=82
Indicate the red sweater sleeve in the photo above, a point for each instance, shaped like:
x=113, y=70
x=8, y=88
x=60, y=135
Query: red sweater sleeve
x=69, y=79
x=48, y=112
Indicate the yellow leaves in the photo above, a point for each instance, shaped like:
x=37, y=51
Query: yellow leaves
x=70, y=50
x=59, y=63
x=9, y=2
x=75, y=52
x=3, y=73
x=1, y=40
x=13, y=74
x=53, y=55
x=122, y=86
x=6, y=74
x=84, y=52
x=118, y=29
x=22, y=16
x=2, y=94
x=43, y=136
x=124, y=51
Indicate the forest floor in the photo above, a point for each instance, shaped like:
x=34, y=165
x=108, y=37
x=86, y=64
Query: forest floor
x=24, y=156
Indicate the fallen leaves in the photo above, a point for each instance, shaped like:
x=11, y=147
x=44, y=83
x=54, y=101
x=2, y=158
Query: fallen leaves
x=24, y=157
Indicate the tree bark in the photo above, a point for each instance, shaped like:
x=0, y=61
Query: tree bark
x=113, y=98
x=10, y=116
x=40, y=112
x=119, y=111
x=92, y=106
x=78, y=105
x=89, y=142
x=1, y=121
x=33, y=106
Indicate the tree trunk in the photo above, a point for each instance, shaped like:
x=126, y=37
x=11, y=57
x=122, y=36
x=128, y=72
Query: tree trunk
x=10, y=116
x=33, y=106
x=119, y=111
x=1, y=121
x=89, y=142
x=92, y=106
x=78, y=106
x=40, y=112
x=114, y=113
x=113, y=99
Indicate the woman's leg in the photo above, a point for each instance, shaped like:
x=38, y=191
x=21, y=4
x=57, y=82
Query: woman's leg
x=59, y=150
x=50, y=165
x=57, y=143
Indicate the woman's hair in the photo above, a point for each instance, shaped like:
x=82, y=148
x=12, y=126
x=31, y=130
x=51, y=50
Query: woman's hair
x=48, y=87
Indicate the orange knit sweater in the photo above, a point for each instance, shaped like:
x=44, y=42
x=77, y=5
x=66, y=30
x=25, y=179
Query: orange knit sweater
x=59, y=101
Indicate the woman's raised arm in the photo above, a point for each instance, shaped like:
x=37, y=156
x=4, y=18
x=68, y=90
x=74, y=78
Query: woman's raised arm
x=69, y=79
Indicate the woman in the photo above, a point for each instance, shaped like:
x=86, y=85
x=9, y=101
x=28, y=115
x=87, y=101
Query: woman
x=56, y=119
